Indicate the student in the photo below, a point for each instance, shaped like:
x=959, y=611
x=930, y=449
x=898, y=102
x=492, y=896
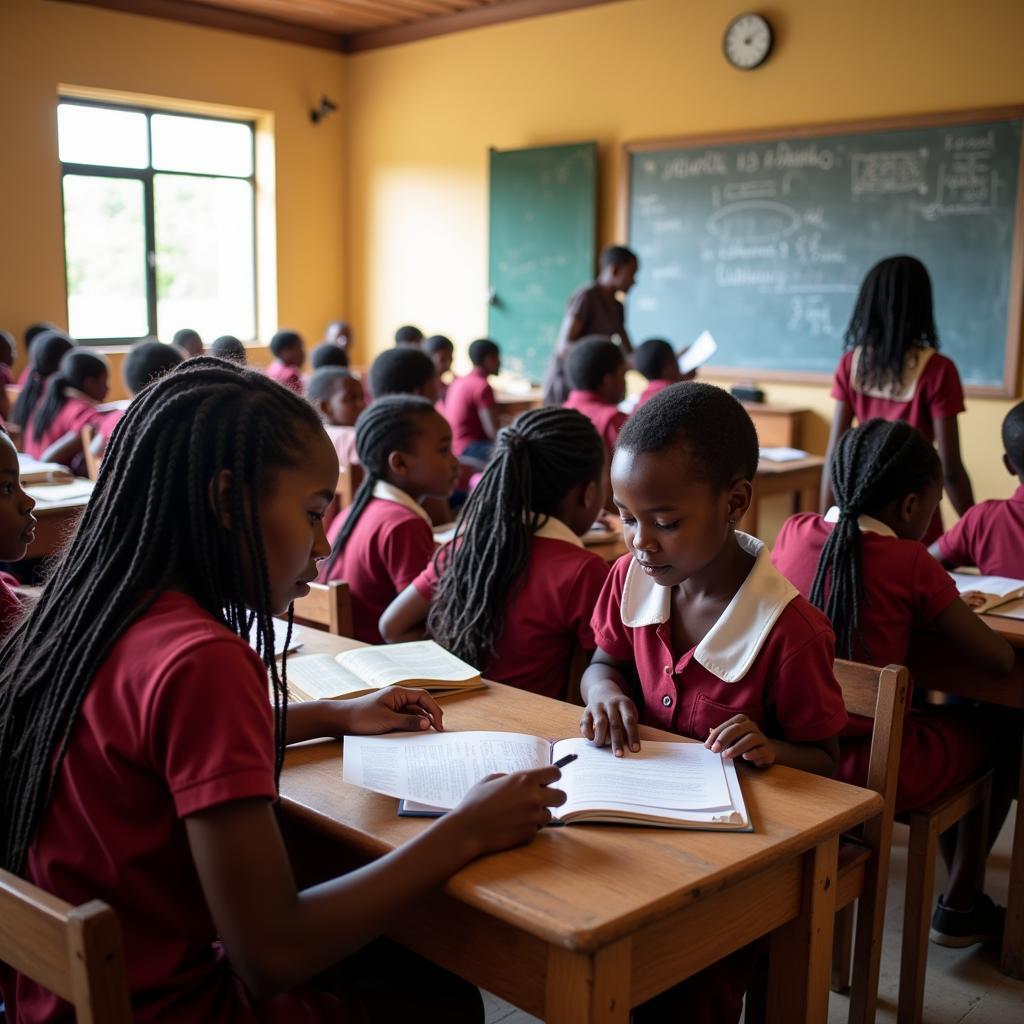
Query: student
x=408, y=337
x=892, y=370
x=656, y=360
x=442, y=351
x=403, y=371
x=32, y=332
x=597, y=370
x=146, y=361
x=339, y=333
x=337, y=397
x=469, y=405
x=863, y=565
x=289, y=355
x=384, y=539
x=228, y=347
x=725, y=650
x=514, y=591
x=140, y=754
x=991, y=535
x=594, y=309
x=327, y=354
x=69, y=403
x=48, y=349
x=8, y=353
x=17, y=528
x=189, y=342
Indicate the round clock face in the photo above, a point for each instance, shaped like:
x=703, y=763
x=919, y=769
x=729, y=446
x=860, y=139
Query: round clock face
x=748, y=41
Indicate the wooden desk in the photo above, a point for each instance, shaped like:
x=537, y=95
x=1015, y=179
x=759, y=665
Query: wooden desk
x=511, y=404
x=587, y=921
x=778, y=426
x=800, y=478
x=937, y=665
x=56, y=516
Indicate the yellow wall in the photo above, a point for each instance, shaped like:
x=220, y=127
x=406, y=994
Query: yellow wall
x=46, y=44
x=424, y=115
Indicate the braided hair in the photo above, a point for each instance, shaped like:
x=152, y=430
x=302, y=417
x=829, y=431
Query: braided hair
x=875, y=463
x=148, y=527
x=390, y=424
x=77, y=366
x=536, y=462
x=47, y=351
x=893, y=312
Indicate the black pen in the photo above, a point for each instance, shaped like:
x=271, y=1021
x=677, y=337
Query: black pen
x=563, y=761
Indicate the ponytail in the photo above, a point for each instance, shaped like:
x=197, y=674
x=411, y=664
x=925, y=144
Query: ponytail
x=76, y=367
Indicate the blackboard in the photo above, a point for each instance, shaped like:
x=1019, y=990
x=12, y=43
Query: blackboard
x=763, y=239
x=543, y=209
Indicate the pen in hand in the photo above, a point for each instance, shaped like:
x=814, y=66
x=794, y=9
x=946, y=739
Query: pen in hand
x=563, y=761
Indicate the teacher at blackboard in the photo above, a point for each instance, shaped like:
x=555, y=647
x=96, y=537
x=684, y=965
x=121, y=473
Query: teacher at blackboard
x=593, y=309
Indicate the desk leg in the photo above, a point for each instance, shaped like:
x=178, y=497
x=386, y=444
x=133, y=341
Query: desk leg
x=801, y=951
x=589, y=988
x=1012, y=961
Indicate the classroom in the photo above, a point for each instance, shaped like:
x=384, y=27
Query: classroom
x=425, y=423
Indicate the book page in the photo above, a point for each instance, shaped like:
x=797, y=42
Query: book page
x=994, y=589
x=319, y=676
x=399, y=663
x=679, y=776
x=437, y=768
x=1010, y=610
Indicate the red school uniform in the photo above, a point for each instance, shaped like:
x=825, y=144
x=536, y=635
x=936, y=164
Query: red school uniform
x=931, y=391
x=386, y=551
x=653, y=387
x=904, y=587
x=606, y=418
x=289, y=376
x=990, y=536
x=176, y=721
x=77, y=411
x=465, y=398
x=548, y=616
x=769, y=656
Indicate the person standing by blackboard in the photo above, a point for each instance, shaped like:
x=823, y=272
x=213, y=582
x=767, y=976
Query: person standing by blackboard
x=892, y=370
x=593, y=309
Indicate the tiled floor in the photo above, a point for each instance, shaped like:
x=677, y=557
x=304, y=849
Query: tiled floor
x=963, y=985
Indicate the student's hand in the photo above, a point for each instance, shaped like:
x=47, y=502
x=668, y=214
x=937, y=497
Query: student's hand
x=396, y=709
x=974, y=598
x=506, y=810
x=740, y=736
x=610, y=716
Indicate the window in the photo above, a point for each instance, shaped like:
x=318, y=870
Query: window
x=159, y=222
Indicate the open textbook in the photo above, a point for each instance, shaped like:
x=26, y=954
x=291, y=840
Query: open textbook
x=366, y=669
x=996, y=591
x=672, y=785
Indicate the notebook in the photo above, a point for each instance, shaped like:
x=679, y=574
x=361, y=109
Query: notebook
x=422, y=664
x=32, y=471
x=669, y=785
x=993, y=591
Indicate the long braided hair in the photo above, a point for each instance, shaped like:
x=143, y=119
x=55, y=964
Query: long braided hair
x=390, y=424
x=148, y=527
x=874, y=463
x=892, y=313
x=536, y=462
x=47, y=351
x=77, y=366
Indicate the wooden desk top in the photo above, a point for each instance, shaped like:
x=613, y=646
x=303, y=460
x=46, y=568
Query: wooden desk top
x=577, y=887
x=766, y=467
x=1010, y=629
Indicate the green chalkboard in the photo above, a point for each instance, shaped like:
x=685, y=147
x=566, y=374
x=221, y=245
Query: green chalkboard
x=764, y=240
x=543, y=205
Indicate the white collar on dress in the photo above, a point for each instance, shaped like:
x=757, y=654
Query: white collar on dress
x=70, y=392
x=914, y=361
x=867, y=524
x=389, y=492
x=735, y=640
x=555, y=529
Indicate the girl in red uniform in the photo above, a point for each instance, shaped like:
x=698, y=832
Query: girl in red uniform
x=140, y=752
x=863, y=564
x=892, y=370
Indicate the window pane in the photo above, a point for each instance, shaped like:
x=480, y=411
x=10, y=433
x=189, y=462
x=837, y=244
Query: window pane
x=95, y=135
x=105, y=249
x=201, y=146
x=204, y=256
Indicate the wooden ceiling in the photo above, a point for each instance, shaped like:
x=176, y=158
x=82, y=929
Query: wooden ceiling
x=346, y=25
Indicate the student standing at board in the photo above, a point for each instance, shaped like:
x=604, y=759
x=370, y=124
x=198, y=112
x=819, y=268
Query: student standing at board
x=892, y=370
x=594, y=309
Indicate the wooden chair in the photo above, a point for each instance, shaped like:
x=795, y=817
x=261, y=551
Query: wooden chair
x=349, y=480
x=92, y=460
x=75, y=952
x=327, y=606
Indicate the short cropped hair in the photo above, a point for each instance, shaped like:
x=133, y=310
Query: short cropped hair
x=590, y=360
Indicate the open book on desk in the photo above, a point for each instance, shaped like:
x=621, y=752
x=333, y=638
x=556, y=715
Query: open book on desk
x=993, y=591
x=362, y=670
x=672, y=785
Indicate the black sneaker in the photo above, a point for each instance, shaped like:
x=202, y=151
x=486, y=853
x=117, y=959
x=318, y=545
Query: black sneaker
x=959, y=928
